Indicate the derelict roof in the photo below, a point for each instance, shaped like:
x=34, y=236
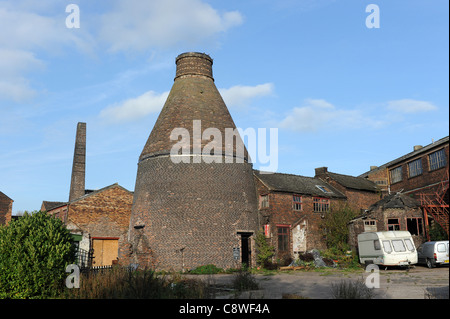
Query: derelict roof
x=297, y=184
x=397, y=200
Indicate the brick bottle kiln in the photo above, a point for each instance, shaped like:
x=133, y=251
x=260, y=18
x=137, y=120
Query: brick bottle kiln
x=195, y=212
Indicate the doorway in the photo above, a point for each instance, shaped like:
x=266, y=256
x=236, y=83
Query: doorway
x=246, y=248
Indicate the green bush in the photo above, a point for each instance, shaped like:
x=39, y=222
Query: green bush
x=206, y=270
x=34, y=252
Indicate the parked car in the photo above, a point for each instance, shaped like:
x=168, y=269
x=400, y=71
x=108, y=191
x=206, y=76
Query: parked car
x=433, y=253
x=387, y=248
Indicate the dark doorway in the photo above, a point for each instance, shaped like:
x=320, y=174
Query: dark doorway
x=246, y=248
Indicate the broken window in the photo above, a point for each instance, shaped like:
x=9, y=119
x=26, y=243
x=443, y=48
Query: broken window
x=283, y=238
x=393, y=224
x=321, y=205
x=395, y=175
x=414, y=225
x=415, y=168
x=437, y=159
x=297, y=202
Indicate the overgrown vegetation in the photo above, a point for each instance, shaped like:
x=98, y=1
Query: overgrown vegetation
x=34, y=253
x=350, y=289
x=334, y=225
x=122, y=283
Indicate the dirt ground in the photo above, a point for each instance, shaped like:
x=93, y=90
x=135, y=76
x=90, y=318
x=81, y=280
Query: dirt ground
x=394, y=283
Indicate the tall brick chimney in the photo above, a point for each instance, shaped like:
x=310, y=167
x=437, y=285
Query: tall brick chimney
x=77, y=183
x=191, y=213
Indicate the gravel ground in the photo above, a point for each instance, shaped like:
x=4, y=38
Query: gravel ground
x=394, y=283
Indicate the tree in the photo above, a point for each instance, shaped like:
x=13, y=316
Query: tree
x=34, y=253
x=264, y=251
x=335, y=227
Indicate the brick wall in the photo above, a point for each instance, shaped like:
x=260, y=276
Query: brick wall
x=5, y=209
x=105, y=214
x=188, y=215
x=281, y=212
x=428, y=177
x=381, y=217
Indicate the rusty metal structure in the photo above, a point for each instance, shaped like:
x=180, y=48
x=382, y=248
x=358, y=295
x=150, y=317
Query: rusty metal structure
x=435, y=204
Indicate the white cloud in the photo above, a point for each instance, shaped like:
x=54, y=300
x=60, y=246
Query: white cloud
x=240, y=95
x=317, y=114
x=135, y=108
x=140, y=25
x=24, y=34
x=410, y=106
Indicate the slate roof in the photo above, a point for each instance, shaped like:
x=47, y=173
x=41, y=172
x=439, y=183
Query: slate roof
x=353, y=182
x=297, y=184
x=52, y=205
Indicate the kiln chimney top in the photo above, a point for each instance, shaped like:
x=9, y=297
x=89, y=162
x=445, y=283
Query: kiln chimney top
x=194, y=64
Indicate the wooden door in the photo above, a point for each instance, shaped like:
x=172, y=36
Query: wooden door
x=105, y=251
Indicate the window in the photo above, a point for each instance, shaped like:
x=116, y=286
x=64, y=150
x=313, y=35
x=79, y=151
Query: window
x=321, y=204
x=398, y=245
x=297, y=202
x=441, y=248
x=370, y=226
x=415, y=168
x=283, y=238
x=409, y=244
x=387, y=246
x=396, y=175
x=414, y=225
x=376, y=245
x=393, y=224
x=263, y=201
x=324, y=189
x=437, y=159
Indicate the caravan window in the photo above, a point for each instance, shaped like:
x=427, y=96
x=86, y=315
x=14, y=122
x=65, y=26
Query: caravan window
x=387, y=246
x=409, y=244
x=376, y=245
x=399, y=246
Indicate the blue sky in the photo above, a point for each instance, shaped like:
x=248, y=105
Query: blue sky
x=342, y=95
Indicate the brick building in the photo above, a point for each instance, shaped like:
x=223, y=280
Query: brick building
x=97, y=219
x=422, y=174
x=394, y=212
x=360, y=192
x=291, y=209
x=5, y=209
x=192, y=207
x=98, y=222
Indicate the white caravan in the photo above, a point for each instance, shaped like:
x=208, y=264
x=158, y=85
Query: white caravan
x=387, y=248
